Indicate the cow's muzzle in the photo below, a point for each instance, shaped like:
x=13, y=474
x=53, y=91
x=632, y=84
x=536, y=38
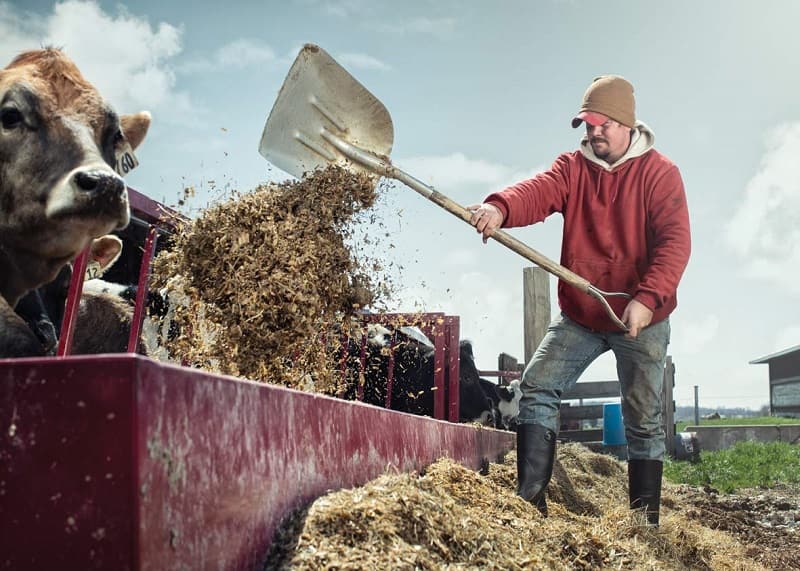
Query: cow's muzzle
x=94, y=194
x=100, y=182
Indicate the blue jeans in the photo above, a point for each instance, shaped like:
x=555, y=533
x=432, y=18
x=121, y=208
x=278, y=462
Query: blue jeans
x=568, y=349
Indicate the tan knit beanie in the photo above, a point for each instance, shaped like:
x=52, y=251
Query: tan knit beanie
x=609, y=95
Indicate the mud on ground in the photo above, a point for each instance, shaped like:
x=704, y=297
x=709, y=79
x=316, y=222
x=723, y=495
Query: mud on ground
x=766, y=521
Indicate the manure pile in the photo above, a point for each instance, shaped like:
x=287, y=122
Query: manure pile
x=451, y=518
x=264, y=279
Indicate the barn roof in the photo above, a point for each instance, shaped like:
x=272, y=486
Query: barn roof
x=768, y=358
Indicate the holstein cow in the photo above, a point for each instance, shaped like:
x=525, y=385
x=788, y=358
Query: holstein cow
x=413, y=374
x=59, y=144
x=509, y=404
x=505, y=402
x=475, y=405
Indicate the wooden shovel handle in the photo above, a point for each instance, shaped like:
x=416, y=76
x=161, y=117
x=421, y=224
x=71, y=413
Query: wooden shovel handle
x=383, y=167
x=498, y=235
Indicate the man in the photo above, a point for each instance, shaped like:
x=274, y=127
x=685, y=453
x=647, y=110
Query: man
x=626, y=228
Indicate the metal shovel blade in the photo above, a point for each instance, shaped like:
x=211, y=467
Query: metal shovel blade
x=317, y=96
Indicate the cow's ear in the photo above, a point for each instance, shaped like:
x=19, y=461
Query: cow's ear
x=105, y=250
x=135, y=127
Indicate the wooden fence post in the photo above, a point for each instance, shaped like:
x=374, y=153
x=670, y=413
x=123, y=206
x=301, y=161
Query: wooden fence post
x=536, y=304
x=668, y=406
x=506, y=362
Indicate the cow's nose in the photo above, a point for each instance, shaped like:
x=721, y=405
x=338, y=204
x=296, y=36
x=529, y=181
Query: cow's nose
x=98, y=181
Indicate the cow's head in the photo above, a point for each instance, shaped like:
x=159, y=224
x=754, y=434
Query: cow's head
x=59, y=145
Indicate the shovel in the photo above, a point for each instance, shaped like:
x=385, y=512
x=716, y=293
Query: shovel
x=324, y=116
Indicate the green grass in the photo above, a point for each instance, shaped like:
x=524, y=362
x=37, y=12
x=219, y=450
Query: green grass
x=744, y=465
x=750, y=420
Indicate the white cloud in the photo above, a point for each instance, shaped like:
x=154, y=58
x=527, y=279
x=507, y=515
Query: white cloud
x=463, y=258
x=239, y=54
x=441, y=28
x=765, y=229
x=696, y=333
x=17, y=28
x=339, y=8
x=373, y=18
x=452, y=172
x=124, y=56
x=346, y=8
x=361, y=61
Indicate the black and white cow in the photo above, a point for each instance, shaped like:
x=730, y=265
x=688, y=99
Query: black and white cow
x=509, y=404
x=505, y=402
x=413, y=374
x=369, y=353
x=475, y=404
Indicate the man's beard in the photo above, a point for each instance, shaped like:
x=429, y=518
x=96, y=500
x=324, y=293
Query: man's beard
x=600, y=155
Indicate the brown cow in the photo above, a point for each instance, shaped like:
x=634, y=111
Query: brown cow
x=43, y=308
x=59, y=142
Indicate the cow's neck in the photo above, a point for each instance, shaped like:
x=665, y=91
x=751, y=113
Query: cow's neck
x=21, y=272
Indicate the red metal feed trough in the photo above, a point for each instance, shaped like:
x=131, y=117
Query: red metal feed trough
x=121, y=462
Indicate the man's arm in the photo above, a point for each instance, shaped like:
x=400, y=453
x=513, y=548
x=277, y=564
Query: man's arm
x=525, y=202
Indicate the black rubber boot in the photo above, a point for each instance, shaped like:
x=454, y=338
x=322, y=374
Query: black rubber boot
x=644, y=487
x=536, y=450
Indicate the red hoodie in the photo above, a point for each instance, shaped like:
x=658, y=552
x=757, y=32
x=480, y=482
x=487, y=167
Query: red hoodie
x=625, y=229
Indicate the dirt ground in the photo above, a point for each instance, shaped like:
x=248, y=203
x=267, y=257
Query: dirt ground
x=767, y=521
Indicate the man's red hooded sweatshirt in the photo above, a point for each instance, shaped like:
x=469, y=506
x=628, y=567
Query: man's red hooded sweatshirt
x=626, y=226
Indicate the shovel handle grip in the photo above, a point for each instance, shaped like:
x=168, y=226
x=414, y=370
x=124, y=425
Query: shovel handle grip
x=383, y=167
x=512, y=243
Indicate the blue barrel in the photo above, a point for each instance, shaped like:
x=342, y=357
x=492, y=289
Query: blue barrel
x=613, y=429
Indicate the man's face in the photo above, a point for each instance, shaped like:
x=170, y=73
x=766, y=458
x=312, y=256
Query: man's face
x=610, y=140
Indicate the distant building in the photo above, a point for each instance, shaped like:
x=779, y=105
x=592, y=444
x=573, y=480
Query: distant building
x=784, y=381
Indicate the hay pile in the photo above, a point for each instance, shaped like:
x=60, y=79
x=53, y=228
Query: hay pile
x=451, y=518
x=262, y=278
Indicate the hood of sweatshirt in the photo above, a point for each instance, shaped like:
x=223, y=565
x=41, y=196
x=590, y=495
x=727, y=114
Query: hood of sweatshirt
x=642, y=140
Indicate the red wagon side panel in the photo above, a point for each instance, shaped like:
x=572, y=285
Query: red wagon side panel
x=66, y=465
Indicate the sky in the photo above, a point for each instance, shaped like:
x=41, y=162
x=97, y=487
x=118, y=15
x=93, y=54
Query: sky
x=481, y=95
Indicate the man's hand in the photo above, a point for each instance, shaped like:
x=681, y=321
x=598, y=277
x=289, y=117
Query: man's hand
x=636, y=316
x=486, y=218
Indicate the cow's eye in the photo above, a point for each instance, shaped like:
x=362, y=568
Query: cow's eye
x=118, y=137
x=10, y=118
